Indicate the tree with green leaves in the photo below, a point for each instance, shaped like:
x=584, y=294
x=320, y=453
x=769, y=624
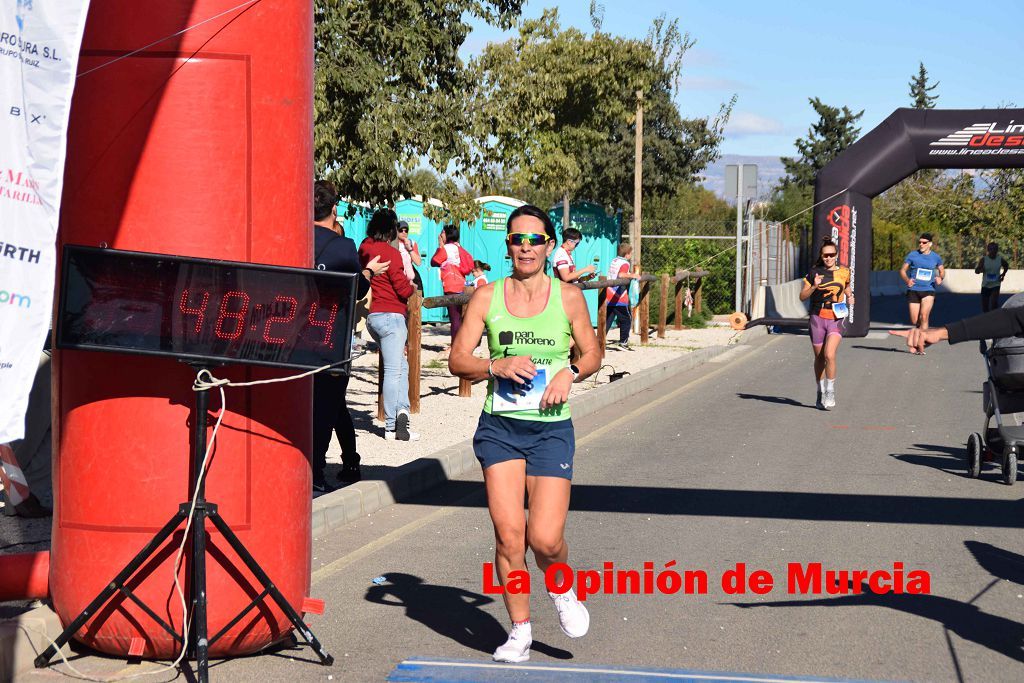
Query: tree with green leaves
x=920, y=90
x=835, y=130
x=554, y=110
x=390, y=90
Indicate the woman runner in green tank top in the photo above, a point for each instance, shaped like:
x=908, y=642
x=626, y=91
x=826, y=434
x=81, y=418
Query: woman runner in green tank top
x=525, y=439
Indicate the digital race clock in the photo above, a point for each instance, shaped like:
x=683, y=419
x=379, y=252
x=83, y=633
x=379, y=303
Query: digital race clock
x=204, y=310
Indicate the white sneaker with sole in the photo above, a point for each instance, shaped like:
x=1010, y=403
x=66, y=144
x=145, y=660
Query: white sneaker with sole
x=573, y=617
x=828, y=400
x=517, y=647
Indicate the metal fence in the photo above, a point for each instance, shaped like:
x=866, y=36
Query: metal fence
x=668, y=246
x=771, y=253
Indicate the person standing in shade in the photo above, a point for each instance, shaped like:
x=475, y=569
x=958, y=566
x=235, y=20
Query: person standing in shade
x=828, y=288
x=618, y=297
x=525, y=439
x=335, y=252
x=387, y=321
x=993, y=268
x=562, y=261
x=922, y=271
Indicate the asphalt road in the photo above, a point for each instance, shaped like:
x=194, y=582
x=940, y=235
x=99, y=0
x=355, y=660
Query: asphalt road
x=730, y=464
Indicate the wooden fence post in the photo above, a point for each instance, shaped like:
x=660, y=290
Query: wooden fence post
x=465, y=386
x=602, y=318
x=663, y=306
x=645, y=312
x=698, y=297
x=679, y=304
x=415, y=351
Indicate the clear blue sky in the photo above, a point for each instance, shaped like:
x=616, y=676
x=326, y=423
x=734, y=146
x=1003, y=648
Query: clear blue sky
x=775, y=55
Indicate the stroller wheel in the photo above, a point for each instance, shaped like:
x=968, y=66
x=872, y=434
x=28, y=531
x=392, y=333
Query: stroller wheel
x=974, y=449
x=1009, y=466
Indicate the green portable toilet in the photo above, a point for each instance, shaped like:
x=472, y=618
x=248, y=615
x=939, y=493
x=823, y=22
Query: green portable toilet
x=601, y=236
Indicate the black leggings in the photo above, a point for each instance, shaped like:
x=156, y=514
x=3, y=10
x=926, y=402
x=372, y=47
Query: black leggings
x=622, y=313
x=989, y=299
x=330, y=414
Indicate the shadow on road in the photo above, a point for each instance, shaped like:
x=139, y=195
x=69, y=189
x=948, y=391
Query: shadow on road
x=810, y=506
x=782, y=400
x=965, y=619
x=449, y=611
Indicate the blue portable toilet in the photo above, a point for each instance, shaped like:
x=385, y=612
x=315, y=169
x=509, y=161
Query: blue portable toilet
x=424, y=231
x=354, y=226
x=601, y=236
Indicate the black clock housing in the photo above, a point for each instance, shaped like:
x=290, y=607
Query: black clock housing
x=204, y=310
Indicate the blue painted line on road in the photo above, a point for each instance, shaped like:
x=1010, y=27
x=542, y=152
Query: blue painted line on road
x=429, y=670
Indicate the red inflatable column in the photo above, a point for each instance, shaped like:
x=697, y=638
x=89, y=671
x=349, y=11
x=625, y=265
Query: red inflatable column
x=198, y=145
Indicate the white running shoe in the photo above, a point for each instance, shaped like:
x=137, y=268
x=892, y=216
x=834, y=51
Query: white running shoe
x=828, y=400
x=517, y=647
x=573, y=617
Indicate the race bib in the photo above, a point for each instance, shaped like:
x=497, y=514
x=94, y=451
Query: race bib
x=511, y=396
x=840, y=310
x=991, y=277
x=923, y=275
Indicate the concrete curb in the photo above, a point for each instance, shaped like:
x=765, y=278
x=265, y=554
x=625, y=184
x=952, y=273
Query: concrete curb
x=336, y=509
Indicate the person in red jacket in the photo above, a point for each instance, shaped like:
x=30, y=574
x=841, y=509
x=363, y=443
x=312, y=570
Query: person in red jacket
x=386, y=321
x=455, y=264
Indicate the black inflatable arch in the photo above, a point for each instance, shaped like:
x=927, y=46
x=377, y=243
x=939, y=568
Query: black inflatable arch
x=908, y=140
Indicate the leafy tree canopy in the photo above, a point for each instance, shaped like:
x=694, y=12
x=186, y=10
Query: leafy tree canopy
x=390, y=89
x=834, y=131
x=554, y=110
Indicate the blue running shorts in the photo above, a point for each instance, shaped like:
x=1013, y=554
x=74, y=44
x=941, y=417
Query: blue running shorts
x=547, y=447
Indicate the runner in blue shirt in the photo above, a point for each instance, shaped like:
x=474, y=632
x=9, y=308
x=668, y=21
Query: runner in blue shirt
x=922, y=271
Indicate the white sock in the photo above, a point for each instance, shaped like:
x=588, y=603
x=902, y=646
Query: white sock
x=821, y=384
x=524, y=628
x=830, y=385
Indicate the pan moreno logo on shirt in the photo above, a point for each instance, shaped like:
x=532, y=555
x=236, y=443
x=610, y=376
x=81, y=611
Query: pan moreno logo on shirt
x=981, y=138
x=524, y=337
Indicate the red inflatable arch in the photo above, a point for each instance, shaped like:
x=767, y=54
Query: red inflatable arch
x=199, y=145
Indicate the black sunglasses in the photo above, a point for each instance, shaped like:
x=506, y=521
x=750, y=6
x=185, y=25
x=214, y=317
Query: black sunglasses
x=832, y=255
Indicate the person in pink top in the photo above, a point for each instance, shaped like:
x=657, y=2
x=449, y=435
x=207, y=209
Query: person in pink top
x=386, y=321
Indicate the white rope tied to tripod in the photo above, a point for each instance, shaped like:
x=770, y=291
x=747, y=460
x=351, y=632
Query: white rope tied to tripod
x=204, y=381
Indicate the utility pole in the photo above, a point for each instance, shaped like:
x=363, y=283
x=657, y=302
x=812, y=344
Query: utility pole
x=565, y=212
x=739, y=240
x=635, y=231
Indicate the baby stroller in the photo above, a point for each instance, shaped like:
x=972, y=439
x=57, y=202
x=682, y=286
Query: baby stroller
x=1002, y=398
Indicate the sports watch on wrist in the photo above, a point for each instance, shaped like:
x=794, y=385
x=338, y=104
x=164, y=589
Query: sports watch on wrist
x=575, y=372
